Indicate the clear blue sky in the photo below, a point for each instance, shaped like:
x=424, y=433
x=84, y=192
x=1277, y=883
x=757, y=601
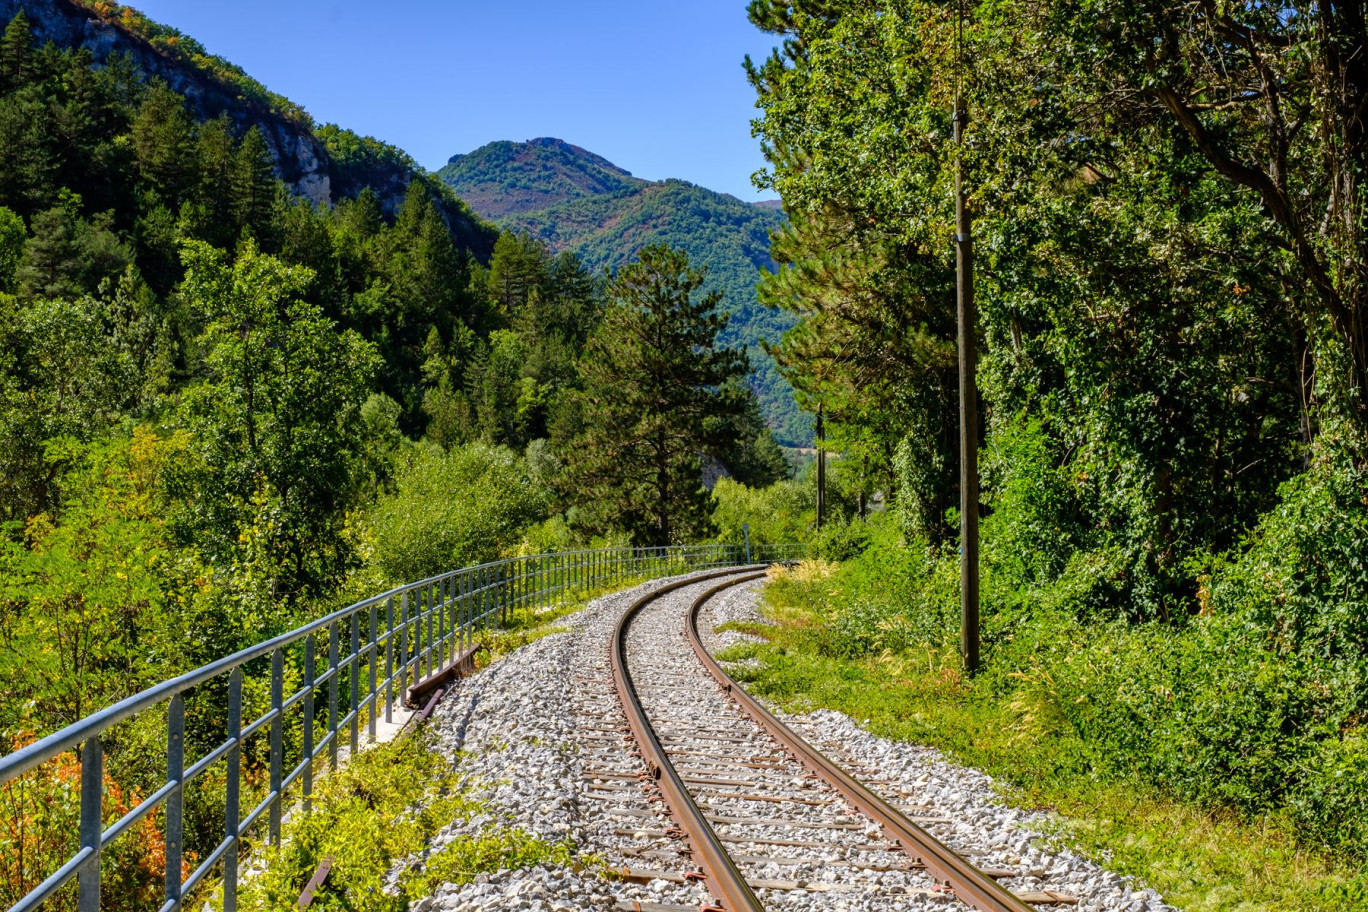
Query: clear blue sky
x=655, y=86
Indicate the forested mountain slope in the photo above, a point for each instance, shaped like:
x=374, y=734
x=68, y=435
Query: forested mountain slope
x=579, y=202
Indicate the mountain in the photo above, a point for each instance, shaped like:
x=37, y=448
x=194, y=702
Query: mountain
x=322, y=164
x=507, y=178
x=580, y=202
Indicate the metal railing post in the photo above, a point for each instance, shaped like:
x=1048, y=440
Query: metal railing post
x=277, y=741
x=374, y=650
x=310, y=682
x=332, y=695
x=431, y=643
x=355, y=681
x=402, y=666
x=462, y=585
x=421, y=597
x=448, y=620
x=175, y=801
x=389, y=659
x=231, y=812
x=92, y=825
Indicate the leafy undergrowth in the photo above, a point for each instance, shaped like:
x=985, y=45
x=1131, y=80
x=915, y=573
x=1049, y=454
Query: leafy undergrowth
x=384, y=806
x=1199, y=861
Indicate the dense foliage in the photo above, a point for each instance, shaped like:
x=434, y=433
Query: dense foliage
x=225, y=410
x=1175, y=512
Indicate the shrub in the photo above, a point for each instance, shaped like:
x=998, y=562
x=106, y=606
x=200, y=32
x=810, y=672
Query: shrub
x=452, y=509
x=781, y=513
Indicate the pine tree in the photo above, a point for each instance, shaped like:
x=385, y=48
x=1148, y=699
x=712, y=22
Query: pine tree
x=164, y=142
x=69, y=256
x=213, y=206
x=52, y=266
x=424, y=267
x=652, y=405
x=519, y=265
x=255, y=193
x=16, y=54
x=12, y=237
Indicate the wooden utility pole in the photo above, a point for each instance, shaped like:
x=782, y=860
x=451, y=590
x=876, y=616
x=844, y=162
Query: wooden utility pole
x=968, y=389
x=821, y=467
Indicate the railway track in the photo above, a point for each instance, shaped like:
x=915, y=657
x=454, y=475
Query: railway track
x=763, y=819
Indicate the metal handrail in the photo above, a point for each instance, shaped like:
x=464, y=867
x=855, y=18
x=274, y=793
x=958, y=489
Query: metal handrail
x=437, y=619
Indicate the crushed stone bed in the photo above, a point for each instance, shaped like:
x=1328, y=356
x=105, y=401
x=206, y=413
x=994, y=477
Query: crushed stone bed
x=542, y=733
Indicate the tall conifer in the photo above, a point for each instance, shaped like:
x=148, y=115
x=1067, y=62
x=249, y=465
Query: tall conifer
x=16, y=53
x=652, y=402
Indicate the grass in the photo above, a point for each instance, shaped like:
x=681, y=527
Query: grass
x=1199, y=860
x=384, y=807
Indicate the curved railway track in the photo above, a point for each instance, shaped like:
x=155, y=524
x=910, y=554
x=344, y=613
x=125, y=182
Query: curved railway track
x=768, y=820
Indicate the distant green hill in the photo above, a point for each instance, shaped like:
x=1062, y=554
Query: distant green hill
x=580, y=202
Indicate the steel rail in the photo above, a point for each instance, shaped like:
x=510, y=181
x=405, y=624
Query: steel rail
x=724, y=879
x=969, y=884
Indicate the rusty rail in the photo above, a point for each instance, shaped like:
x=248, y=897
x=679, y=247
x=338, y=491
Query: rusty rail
x=969, y=884
x=723, y=878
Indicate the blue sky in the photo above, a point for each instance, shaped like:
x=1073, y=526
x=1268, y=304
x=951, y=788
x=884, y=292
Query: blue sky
x=655, y=86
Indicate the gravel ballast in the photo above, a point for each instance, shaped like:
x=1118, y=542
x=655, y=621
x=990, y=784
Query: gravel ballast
x=542, y=731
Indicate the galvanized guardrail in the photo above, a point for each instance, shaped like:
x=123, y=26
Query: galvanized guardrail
x=395, y=640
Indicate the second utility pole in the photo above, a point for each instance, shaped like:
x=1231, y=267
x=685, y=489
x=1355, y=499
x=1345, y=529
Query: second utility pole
x=968, y=390
x=821, y=467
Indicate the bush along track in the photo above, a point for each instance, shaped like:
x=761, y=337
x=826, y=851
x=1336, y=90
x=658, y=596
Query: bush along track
x=384, y=821
x=1044, y=722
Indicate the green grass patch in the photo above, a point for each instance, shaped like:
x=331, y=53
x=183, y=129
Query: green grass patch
x=1201, y=861
x=386, y=805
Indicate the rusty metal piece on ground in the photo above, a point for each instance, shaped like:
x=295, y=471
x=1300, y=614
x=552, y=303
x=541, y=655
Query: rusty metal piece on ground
x=724, y=880
x=431, y=705
x=316, y=882
x=969, y=884
x=460, y=667
x=1048, y=898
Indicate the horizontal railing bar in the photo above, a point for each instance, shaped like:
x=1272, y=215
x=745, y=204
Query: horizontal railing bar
x=297, y=697
x=39, y=894
x=144, y=807
x=295, y=773
x=257, y=812
x=325, y=741
x=209, y=759
x=257, y=725
x=207, y=865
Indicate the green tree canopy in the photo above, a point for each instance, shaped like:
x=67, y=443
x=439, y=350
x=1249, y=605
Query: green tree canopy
x=276, y=426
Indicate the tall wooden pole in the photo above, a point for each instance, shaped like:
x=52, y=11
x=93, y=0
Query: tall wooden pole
x=821, y=467
x=968, y=389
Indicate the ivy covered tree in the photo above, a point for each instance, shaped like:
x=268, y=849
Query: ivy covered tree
x=653, y=404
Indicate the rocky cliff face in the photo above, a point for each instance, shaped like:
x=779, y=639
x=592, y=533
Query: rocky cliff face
x=300, y=158
x=302, y=161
